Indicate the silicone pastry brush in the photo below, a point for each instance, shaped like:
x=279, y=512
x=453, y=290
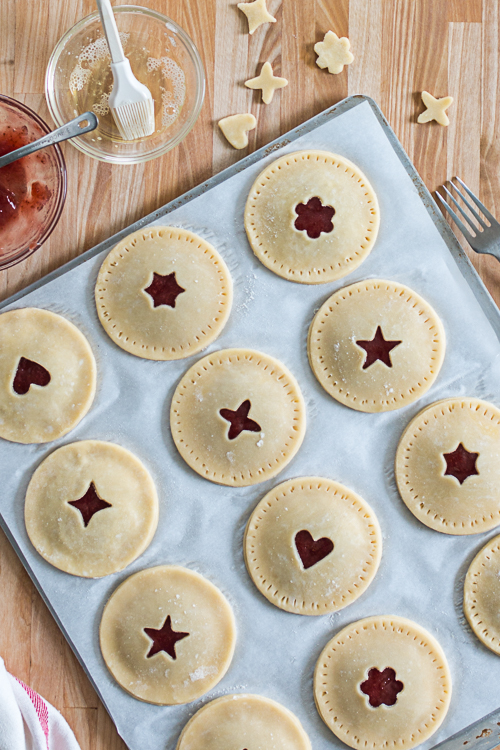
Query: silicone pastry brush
x=130, y=102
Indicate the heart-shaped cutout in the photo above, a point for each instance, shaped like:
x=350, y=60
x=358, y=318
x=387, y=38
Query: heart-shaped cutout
x=29, y=373
x=310, y=551
x=236, y=127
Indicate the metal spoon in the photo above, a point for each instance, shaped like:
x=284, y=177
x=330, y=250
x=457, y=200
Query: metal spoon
x=82, y=124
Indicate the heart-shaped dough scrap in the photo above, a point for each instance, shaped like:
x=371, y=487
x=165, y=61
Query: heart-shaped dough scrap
x=236, y=127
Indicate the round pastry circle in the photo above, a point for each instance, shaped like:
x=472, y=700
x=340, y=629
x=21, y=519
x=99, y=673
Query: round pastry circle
x=430, y=444
x=272, y=212
x=184, y=609
x=238, y=382
x=51, y=343
x=189, y=298
x=116, y=516
x=391, y=321
x=243, y=721
x=336, y=561
x=380, y=643
x=482, y=595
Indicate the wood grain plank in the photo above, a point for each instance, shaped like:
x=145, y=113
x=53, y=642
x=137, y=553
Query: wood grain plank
x=465, y=11
x=7, y=46
x=15, y=615
x=298, y=39
x=365, y=34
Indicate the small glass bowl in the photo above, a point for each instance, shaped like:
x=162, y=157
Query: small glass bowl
x=162, y=56
x=37, y=183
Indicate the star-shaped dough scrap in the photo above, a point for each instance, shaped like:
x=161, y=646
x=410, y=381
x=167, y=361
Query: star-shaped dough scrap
x=256, y=14
x=236, y=127
x=436, y=109
x=333, y=53
x=268, y=82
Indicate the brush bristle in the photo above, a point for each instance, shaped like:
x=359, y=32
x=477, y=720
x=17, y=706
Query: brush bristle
x=135, y=120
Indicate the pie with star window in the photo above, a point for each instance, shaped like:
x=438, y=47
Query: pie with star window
x=448, y=466
x=376, y=345
x=163, y=293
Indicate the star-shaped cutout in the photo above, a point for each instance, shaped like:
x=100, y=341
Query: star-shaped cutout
x=333, y=53
x=267, y=82
x=378, y=348
x=461, y=463
x=381, y=687
x=236, y=127
x=436, y=109
x=256, y=14
x=164, y=290
x=239, y=420
x=164, y=639
x=89, y=504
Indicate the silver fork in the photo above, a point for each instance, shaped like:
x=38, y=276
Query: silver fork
x=484, y=238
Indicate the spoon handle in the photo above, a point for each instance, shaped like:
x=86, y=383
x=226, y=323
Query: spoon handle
x=69, y=130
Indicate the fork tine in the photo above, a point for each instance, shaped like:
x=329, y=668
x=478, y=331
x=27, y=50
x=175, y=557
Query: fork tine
x=467, y=218
x=471, y=208
x=455, y=218
x=478, y=203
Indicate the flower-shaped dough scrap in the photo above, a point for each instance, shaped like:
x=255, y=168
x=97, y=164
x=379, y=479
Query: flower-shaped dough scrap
x=333, y=53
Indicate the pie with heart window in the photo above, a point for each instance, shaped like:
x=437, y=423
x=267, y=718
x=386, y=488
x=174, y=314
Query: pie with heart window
x=312, y=546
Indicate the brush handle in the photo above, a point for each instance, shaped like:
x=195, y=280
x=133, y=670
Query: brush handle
x=110, y=29
x=70, y=130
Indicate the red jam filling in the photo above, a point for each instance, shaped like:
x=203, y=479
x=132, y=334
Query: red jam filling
x=378, y=349
x=89, y=504
x=310, y=551
x=164, y=639
x=314, y=218
x=164, y=290
x=381, y=687
x=29, y=373
x=239, y=420
x=461, y=464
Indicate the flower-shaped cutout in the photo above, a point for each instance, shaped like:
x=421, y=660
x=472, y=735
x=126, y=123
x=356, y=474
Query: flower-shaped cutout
x=333, y=53
x=256, y=14
x=267, y=82
x=314, y=218
x=381, y=687
x=461, y=463
x=436, y=109
x=235, y=129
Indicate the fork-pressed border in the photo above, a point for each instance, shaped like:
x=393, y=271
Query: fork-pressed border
x=488, y=632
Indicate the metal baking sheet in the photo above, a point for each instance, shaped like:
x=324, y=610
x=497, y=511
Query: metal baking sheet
x=201, y=524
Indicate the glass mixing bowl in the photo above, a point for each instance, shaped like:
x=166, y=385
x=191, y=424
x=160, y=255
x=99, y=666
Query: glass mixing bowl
x=162, y=56
x=32, y=189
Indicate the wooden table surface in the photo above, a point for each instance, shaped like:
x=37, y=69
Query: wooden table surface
x=448, y=47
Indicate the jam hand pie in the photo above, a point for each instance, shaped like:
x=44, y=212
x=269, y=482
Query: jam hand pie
x=382, y=682
x=163, y=293
x=482, y=595
x=167, y=635
x=238, y=417
x=312, y=546
x=376, y=345
x=312, y=217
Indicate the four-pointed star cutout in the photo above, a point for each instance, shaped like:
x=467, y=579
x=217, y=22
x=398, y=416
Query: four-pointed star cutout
x=89, y=504
x=436, y=109
x=164, y=290
x=378, y=348
x=256, y=14
x=239, y=420
x=267, y=82
x=381, y=687
x=164, y=639
x=461, y=463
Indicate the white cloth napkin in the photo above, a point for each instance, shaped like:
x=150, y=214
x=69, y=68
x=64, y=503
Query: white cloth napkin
x=27, y=722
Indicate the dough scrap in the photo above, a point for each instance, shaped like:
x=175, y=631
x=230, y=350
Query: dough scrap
x=440, y=500
x=327, y=511
x=114, y=536
x=195, y=606
x=482, y=595
x=268, y=82
x=241, y=721
x=234, y=380
x=333, y=53
x=236, y=127
x=379, y=643
x=127, y=310
x=271, y=214
x=351, y=317
x=44, y=413
x=436, y=109
x=256, y=14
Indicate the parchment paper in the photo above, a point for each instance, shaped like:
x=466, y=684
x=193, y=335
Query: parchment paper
x=201, y=524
